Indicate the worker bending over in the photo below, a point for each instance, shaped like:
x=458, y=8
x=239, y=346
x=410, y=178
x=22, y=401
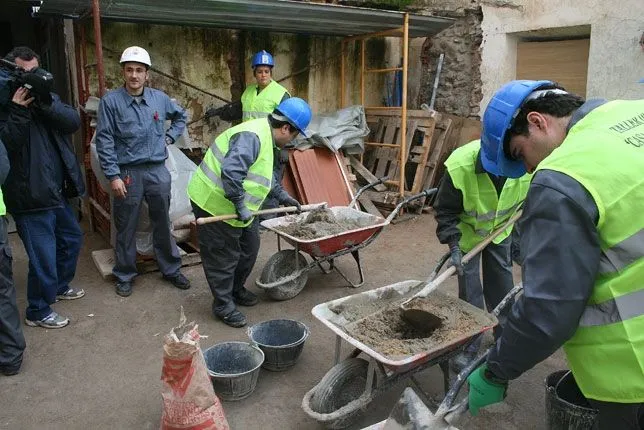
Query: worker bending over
x=236, y=176
x=582, y=244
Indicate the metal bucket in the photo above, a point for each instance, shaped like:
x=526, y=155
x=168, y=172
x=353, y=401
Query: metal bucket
x=566, y=406
x=281, y=340
x=233, y=368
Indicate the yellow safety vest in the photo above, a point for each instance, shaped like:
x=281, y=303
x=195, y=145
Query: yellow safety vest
x=206, y=188
x=483, y=209
x=260, y=105
x=3, y=208
x=604, y=152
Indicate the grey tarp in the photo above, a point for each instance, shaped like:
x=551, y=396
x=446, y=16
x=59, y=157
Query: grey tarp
x=345, y=128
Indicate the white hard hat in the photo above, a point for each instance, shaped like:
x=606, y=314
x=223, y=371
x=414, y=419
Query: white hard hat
x=136, y=54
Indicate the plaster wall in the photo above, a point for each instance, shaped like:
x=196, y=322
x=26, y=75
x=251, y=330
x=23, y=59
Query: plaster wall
x=615, y=63
x=218, y=61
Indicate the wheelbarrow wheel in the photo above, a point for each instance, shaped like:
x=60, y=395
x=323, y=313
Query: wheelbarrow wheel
x=280, y=266
x=343, y=384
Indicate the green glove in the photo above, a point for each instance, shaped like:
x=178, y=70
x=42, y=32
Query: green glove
x=484, y=391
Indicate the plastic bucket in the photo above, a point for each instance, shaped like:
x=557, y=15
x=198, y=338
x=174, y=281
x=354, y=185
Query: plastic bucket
x=566, y=406
x=281, y=340
x=233, y=368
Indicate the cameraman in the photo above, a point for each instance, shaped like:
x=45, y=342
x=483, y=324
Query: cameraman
x=35, y=129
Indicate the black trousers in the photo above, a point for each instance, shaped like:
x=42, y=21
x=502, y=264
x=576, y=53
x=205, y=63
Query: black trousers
x=12, y=341
x=228, y=255
x=623, y=416
x=151, y=182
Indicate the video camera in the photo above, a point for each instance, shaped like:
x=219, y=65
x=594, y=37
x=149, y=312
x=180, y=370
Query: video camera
x=38, y=81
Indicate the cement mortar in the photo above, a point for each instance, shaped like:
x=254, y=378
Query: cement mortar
x=320, y=223
x=387, y=333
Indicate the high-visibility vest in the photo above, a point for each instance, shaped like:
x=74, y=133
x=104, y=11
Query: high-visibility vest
x=484, y=210
x=260, y=105
x=206, y=188
x=3, y=208
x=604, y=152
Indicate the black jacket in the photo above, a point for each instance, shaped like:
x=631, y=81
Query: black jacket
x=44, y=169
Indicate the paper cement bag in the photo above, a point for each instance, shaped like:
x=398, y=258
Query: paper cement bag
x=189, y=401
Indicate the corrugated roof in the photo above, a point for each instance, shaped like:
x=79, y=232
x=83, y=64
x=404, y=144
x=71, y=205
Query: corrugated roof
x=268, y=15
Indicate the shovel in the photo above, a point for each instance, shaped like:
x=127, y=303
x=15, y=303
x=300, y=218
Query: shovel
x=286, y=209
x=426, y=321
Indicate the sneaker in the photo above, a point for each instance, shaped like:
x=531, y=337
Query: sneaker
x=53, y=320
x=70, y=294
x=234, y=319
x=124, y=288
x=178, y=281
x=245, y=298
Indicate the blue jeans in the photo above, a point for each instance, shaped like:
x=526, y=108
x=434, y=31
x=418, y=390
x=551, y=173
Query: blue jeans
x=52, y=239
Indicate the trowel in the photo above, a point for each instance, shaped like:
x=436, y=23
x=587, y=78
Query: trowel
x=425, y=321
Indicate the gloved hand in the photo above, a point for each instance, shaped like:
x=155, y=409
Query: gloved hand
x=290, y=201
x=456, y=257
x=243, y=214
x=213, y=111
x=484, y=390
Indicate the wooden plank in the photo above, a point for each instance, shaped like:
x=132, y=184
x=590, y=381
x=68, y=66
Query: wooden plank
x=369, y=158
x=385, y=156
x=368, y=206
x=104, y=261
x=419, y=177
x=437, y=155
x=365, y=174
x=395, y=169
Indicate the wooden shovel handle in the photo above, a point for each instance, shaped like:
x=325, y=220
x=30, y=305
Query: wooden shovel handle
x=467, y=257
x=286, y=209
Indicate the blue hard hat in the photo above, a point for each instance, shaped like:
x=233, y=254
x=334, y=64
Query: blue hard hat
x=262, y=58
x=497, y=120
x=297, y=112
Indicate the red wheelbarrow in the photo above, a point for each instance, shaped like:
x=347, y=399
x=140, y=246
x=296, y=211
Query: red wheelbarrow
x=286, y=272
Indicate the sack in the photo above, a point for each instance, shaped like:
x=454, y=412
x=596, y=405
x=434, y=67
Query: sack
x=189, y=401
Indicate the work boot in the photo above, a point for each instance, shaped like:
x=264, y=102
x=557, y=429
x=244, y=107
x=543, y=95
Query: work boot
x=460, y=362
x=124, y=288
x=10, y=371
x=178, y=280
x=234, y=319
x=244, y=297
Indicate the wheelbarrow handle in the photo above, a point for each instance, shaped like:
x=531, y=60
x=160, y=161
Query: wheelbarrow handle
x=286, y=209
x=365, y=188
x=445, y=409
x=425, y=193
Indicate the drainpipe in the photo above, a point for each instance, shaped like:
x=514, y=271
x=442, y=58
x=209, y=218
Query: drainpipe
x=99, y=48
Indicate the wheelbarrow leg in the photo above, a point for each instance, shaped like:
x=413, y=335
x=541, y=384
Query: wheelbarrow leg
x=356, y=256
x=444, y=365
x=338, y=349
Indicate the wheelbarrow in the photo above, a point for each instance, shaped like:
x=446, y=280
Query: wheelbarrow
x=353, y=383
x=286, y=272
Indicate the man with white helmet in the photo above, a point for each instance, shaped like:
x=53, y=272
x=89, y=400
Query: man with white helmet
x=236, y=176
x=582, y=244
x=131, y=142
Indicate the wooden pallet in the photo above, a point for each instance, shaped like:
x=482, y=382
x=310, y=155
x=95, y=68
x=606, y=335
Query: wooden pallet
x=104, y=261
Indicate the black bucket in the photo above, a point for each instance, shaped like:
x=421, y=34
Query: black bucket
x=566, y=406
x=281, y=340
x=233, y=368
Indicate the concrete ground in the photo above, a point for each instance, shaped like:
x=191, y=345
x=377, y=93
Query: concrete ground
x=103, y=370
